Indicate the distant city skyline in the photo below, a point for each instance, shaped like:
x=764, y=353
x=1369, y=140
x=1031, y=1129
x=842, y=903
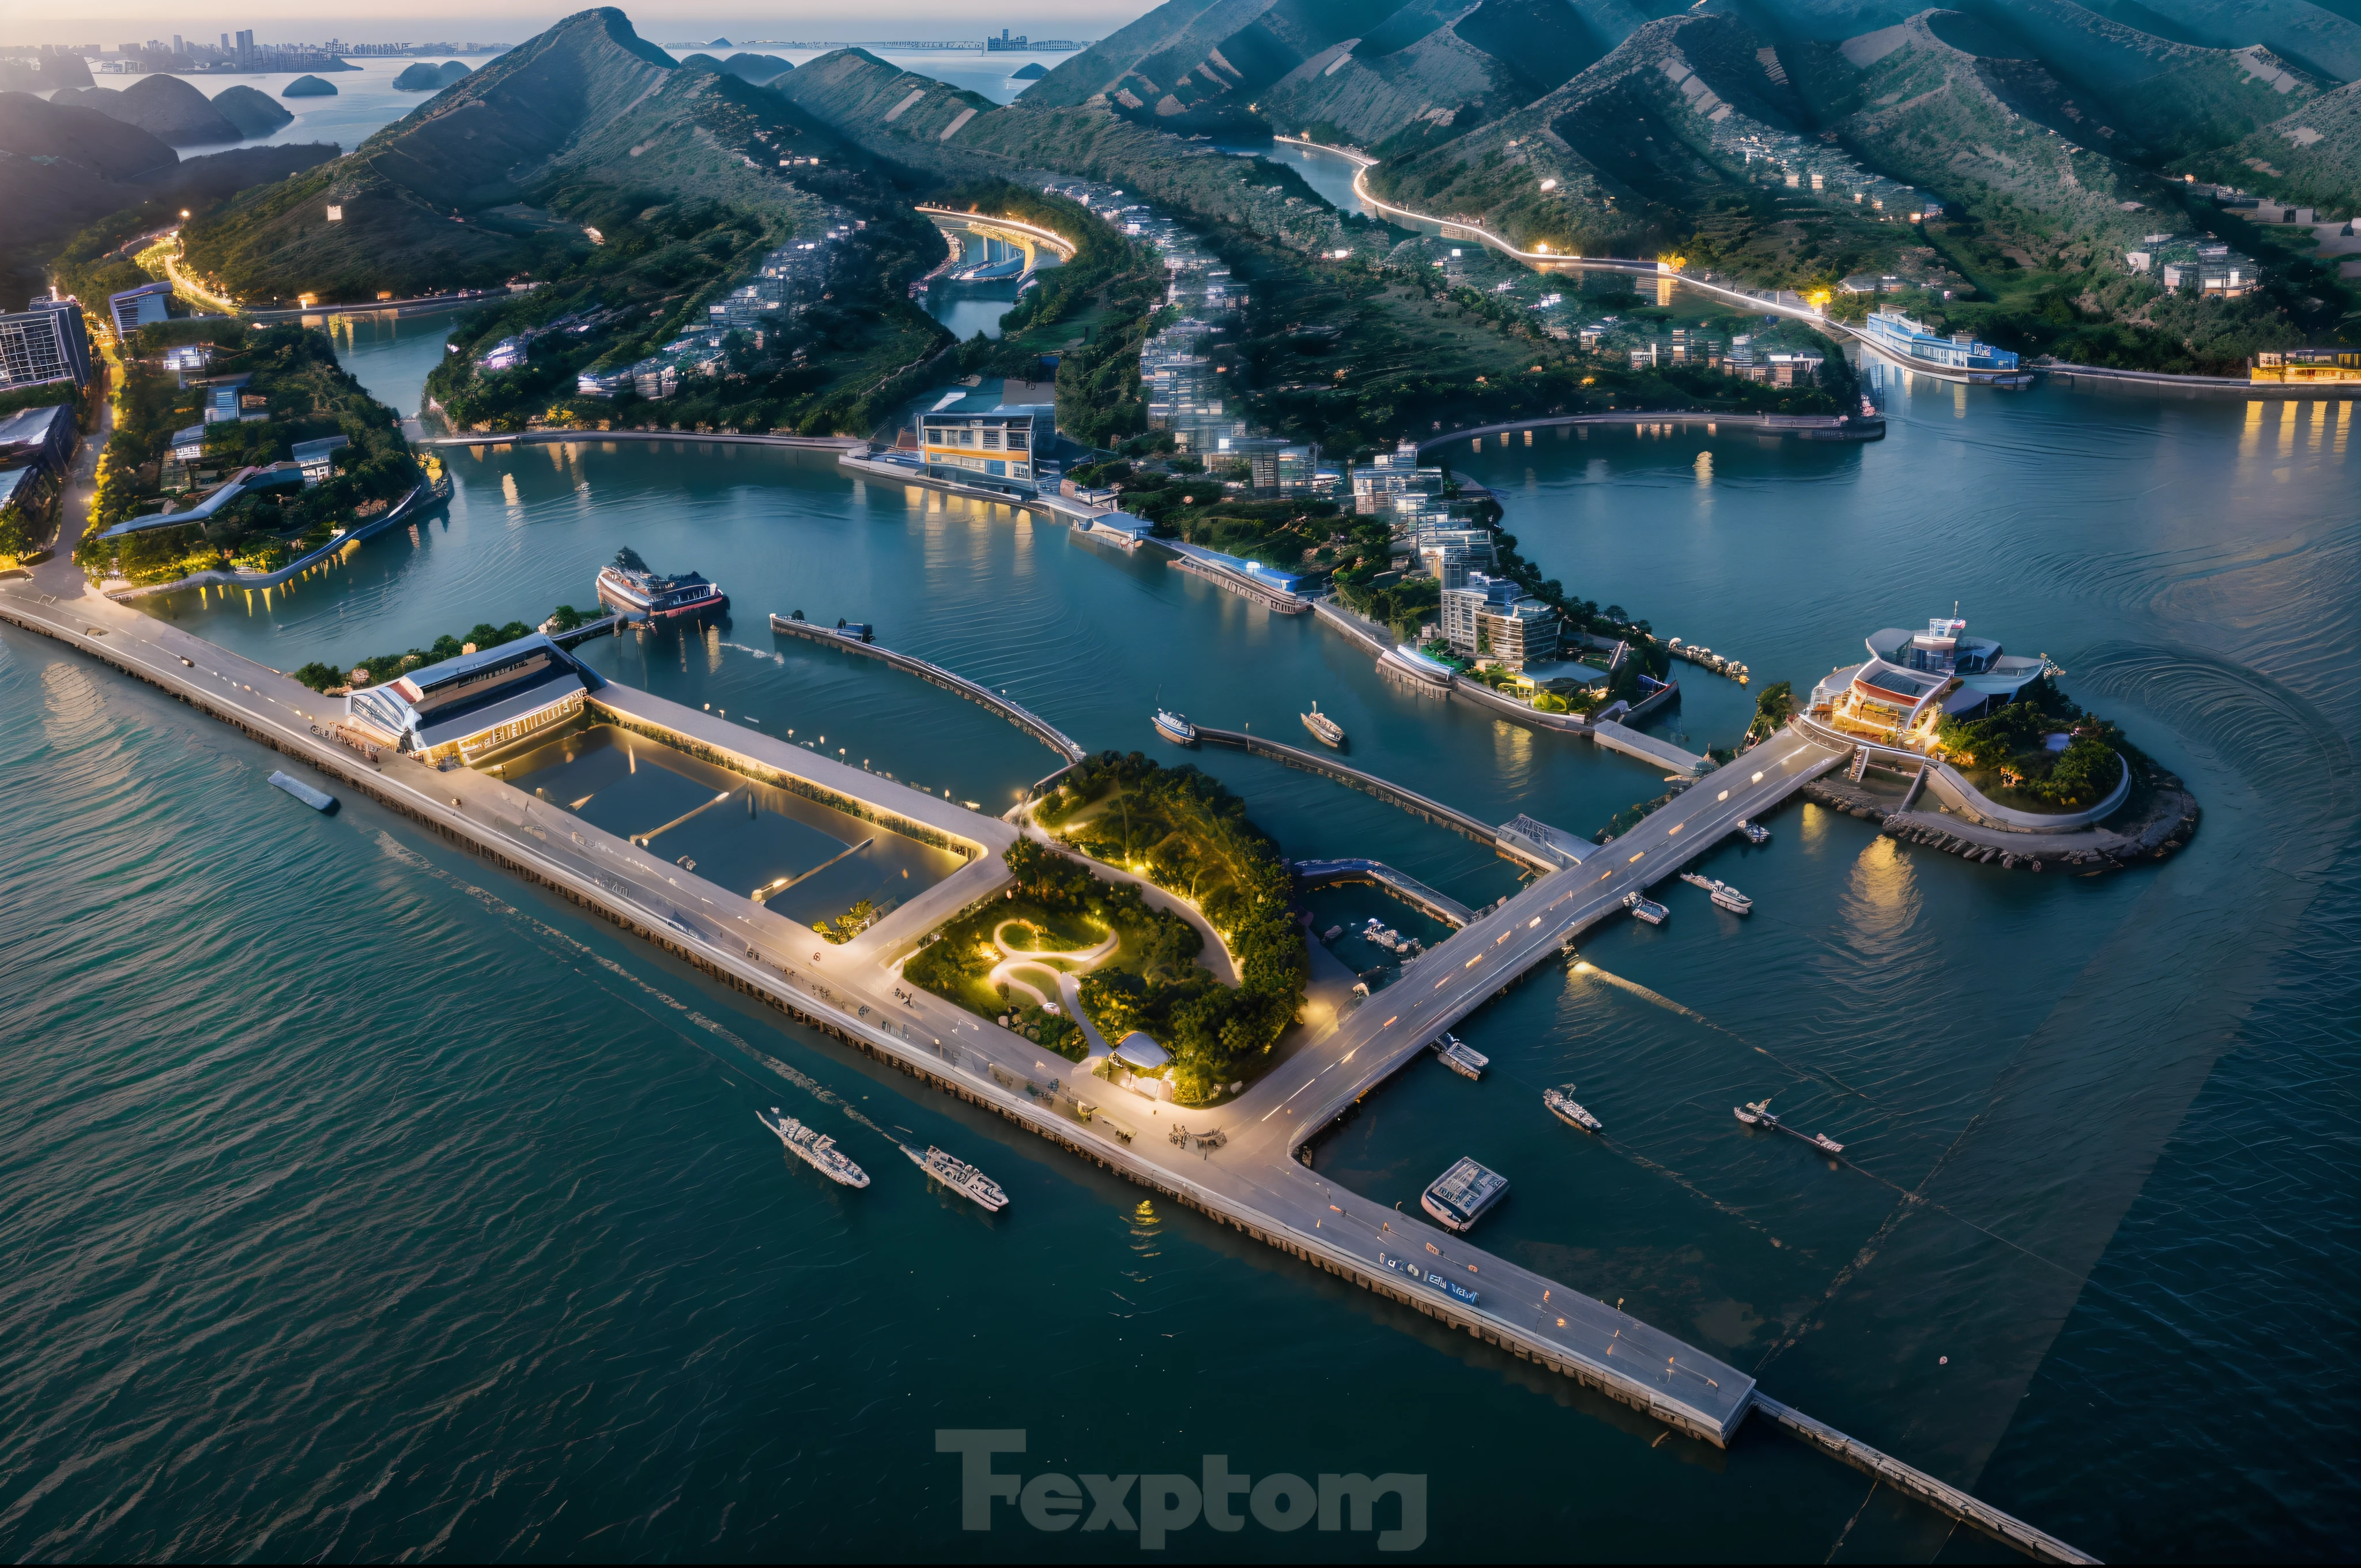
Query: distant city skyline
x=305, y=21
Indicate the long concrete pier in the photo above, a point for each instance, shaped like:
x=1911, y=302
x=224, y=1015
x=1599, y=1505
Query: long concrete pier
x=1023, y=717
x=1252, y=1182
x=1799, y=427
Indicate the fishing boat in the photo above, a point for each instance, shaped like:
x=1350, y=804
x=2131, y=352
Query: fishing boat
x=1723, y=895
x=1753, y=832
x=1643, y=907
x=1175, y=726
x=1562, y=1104
x=1460, y=1057
x=1324, y=728
x=1758, y=1114
x=814, y=1148
x=960, y=1176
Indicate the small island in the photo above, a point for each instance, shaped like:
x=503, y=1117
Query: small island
x=421, y=77
x=308, y=87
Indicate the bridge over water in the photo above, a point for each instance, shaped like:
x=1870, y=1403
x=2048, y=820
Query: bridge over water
x=1023, y=241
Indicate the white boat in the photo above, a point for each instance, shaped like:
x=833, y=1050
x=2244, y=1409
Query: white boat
x=1759, y=1114
x=1175, y=726
x=1753, y=832
x=1457, y=1199
x=1324, y=728
x=1645, y=908
x=639, y=592
x=814, y=1148
x=1561, y=1103
x=1461, y=1058
x=1723, y=895
x=960, y=1176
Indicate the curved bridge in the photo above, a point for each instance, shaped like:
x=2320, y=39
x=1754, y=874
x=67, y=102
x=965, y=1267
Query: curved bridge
x=1023, y=240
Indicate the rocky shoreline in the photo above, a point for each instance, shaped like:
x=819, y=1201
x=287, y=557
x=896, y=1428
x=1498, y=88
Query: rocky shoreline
x=2151, y=828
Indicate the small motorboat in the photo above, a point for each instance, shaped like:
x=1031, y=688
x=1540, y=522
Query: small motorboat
x=1759, y=1114
x=1753, y=832
x=1461, y=1058
x=1723, y=895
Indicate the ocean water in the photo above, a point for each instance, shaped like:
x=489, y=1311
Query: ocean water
x=372, y=1203
x=365, y=101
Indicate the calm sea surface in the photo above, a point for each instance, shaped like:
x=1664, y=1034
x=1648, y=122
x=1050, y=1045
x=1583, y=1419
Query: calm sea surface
x=367, y=1202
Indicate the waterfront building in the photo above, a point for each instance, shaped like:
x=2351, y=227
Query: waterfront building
x=1461, y=605
x=2319, y=367
x=43, y=342
x=994, y=445
x=1912, y=679
x=136, y=308
x=1515, y=635
x=465, y=707
x=1897, y=334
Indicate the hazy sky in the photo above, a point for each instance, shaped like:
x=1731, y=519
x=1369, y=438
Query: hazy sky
x=307, y=21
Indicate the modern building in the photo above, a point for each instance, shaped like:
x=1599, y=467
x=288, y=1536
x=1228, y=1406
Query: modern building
x=1517, y=635
x=43, y=342
x=994, y=445
x=42, y=438
x=1461, y=607
x=136, y=308
x=2321, y=366
x=1913, y=679
x=311, y=457
x=465, y=707
x=1898, y=335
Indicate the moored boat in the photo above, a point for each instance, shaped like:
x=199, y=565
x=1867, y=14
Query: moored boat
x=960, y=1176
x=640, y=593
x=1326, y=730
x=1758, y=1114
x=1458, y=1198
x=1645, y=908
x=1723, y=895
x=319, y=800
x=814, y=1148
x=1175, y=727
x=1562, y=1104
x=1753, y=832
x=1461, y=1058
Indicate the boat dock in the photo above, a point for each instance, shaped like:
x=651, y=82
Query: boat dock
x=1250, y=1181
x=1408, y=889
x=1023, y=717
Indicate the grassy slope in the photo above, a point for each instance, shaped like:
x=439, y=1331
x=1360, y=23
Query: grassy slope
x=2310, y=155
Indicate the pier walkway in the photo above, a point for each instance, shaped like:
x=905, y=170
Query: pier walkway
x=1250, y=1183
x=1800, y=427
x=1392, y=793
x=1647, y=748
x=1023, y=717
x=1408, y=889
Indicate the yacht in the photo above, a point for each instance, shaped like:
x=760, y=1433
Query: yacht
x=1175, y=727
x=960, y=1176
x=644, y=595
x=1562, y=1104
x=814, y=1148
x=1324, y=728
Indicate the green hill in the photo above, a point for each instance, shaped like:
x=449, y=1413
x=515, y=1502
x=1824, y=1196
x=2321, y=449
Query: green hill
x=254, y=113
x=2312, y=156
x=164, y=106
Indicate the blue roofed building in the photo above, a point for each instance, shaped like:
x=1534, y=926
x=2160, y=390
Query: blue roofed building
x=1913, y=679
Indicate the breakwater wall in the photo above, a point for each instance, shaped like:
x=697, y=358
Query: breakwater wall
x=1024, y=718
